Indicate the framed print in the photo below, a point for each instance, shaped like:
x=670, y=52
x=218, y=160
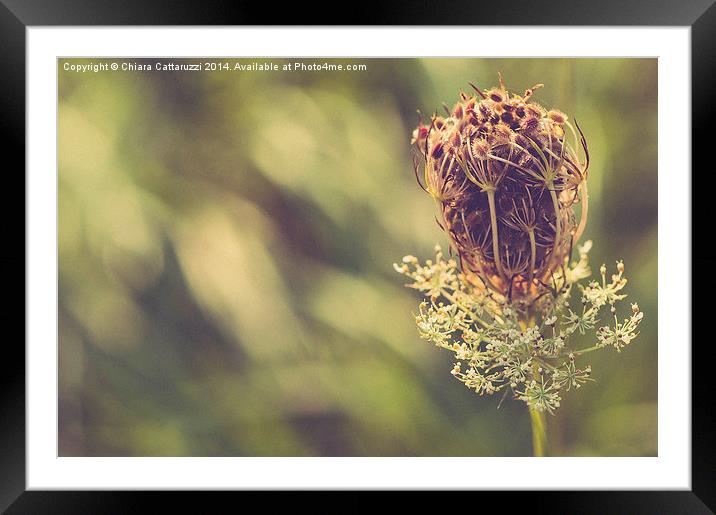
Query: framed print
x=438, y=257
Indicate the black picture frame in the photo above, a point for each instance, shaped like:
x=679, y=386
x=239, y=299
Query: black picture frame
x=700, y=15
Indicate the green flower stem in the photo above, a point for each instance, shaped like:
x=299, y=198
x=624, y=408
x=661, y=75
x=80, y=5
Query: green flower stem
x=583, y=217
x=539, y=423
x=539, y=432
x=589, y=349
x=493, y=221
x=557, y=221
x=465, y=309
x=469, y=312
x=533, y=254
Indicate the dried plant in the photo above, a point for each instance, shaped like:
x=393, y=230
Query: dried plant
x=507, y=176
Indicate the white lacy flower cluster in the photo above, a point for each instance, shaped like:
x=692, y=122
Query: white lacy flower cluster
x=516, y=348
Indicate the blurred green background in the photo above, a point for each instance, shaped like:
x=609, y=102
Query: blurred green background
x=226, y=242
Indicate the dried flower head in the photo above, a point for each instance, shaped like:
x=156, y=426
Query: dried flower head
x=506, y=176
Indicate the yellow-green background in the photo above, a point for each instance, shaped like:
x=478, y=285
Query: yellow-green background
x=226, y=242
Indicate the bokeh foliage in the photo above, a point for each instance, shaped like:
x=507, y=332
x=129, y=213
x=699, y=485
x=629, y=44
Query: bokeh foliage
x=226, y=242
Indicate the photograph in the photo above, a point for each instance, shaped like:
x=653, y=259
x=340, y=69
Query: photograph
x=357, y=257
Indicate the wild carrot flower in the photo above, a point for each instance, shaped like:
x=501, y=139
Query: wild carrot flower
x=509, y=179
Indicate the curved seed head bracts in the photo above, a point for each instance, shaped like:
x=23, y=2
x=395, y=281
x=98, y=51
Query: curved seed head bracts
x=507, y=175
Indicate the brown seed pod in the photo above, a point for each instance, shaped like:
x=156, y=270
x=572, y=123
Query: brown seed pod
x=506, y=179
